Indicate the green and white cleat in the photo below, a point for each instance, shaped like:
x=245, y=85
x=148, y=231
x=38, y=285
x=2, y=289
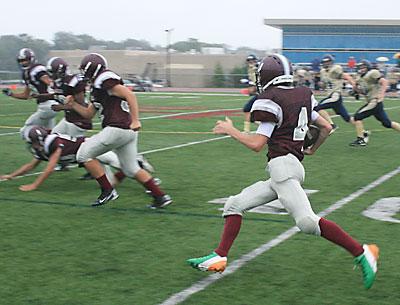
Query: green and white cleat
x=212, y=262
x=368, y=262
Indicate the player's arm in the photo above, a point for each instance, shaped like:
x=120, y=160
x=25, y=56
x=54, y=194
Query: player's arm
x=71, y=104
x=53, y=160
x=24, y=95
x=22, y=170
x=127, y=95
x=325, y=128
x=255, y=142
x=347, y=77
x=383, y=82
x=45, y=78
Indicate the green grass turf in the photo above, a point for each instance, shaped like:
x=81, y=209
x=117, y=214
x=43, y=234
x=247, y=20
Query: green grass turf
x=56, y=249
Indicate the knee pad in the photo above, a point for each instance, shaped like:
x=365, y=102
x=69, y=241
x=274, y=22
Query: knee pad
x=82, y=155
x=232, y=206
x=309, y=225
x=132, y=171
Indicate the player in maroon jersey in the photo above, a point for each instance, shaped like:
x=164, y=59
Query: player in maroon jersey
x=56, y=148
x=37, y=81
x=120, y=121
x=285, y=112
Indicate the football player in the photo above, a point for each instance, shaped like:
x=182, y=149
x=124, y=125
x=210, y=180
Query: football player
x=285, y=113
x=252, y=64
x=120, y=121
x=333, y=76
x=37, y=81
x=373, y=85
x=65, y=84
x=56, y=148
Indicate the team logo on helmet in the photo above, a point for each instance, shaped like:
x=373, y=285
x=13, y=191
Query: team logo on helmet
x=92, y=64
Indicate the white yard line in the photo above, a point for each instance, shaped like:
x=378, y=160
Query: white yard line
x=237, y=264
x=153, y=117
x=15, y=114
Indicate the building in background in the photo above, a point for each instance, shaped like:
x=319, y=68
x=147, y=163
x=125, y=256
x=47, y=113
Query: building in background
x=305, y=40
x=187, y=70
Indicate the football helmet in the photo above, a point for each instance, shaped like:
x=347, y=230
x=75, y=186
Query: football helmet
x=363, y=67
x=327, y=60
x=274, y=70
x=92, y=64
x=57, y=67
x=251, y=57
x=36, y=135
x=26, y=58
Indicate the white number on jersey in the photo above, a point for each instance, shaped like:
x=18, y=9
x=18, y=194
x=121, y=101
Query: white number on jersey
x=302, y=125
x=125, y=106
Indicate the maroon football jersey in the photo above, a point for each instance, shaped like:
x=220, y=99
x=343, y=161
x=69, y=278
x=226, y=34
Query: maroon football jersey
x=31, y=78
x=72, y=85
x=114, y=111
x=290, y=108
x=69, y=146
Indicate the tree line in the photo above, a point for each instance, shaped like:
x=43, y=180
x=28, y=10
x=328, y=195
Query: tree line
x=10, y=44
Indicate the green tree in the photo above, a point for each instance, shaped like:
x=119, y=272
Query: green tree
x=236, y=75
x=218, y=79
x=11, y=44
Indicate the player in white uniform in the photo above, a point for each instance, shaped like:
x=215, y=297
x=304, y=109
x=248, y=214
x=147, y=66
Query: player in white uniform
x=373, y=85
x=285, y=113
x=333, y=77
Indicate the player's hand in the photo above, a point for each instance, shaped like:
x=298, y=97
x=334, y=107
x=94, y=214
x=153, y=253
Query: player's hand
x=7, y=91
x=28, y=187
x=6, y=177
x=223, y=127
x=136, y=125
x=308, y=151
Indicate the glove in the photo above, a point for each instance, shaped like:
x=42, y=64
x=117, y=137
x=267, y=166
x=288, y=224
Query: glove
x=59, y=98
x=7, y=91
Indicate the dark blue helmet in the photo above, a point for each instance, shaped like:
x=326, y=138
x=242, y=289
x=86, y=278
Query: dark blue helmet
x=251, y=57
x=364, y=64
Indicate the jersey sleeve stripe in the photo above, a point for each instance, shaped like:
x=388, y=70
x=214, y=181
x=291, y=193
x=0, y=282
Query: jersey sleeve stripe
x=269, y=106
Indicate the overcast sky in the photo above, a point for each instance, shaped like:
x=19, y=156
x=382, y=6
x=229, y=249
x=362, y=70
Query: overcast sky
x=233, y=22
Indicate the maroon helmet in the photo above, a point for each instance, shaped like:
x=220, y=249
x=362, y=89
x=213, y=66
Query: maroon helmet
x=92, y=64
x=57, y=67
x=36, y=136
x=26, y=58
x=273, y=70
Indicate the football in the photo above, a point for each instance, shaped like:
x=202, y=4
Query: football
x=311, y=136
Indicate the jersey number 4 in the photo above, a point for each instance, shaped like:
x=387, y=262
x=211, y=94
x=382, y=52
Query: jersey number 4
x=302, y=125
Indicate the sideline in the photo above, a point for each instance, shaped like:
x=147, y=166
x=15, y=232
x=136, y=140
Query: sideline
x=237, y=264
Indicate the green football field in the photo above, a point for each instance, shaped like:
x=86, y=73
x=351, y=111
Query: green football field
x=57, y=249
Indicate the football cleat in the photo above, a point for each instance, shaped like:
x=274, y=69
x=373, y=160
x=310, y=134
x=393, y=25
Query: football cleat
x=358, y=142
x=160, y=202
x=105, y=196
x=334, y=128
x=212, y=262
x=368, y=262
x=366, y=135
